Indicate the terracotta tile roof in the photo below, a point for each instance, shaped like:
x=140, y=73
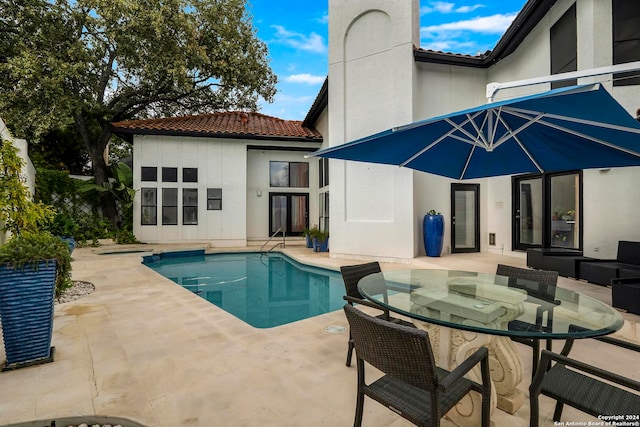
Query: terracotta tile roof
x=234, y=124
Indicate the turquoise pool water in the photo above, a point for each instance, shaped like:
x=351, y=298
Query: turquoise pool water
x=262, y=290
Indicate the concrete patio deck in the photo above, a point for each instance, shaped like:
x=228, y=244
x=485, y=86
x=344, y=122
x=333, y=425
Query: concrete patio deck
x=144, y=348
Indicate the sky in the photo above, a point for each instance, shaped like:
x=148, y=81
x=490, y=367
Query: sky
x=296, y=33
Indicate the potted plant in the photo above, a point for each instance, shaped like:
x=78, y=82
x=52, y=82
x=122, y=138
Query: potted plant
x=433, y=229
x=320, y=241
x=309, y=233
x=34, y=268
x=65, y=227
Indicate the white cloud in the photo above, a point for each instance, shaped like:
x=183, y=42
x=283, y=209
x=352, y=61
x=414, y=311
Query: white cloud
x=304, y=78
x=439, y=6
x=467, y=9
x=494, y=24
x=293, y=99
x=446, y=7
x=452, y=46
x=311, y=43
x=324, y=19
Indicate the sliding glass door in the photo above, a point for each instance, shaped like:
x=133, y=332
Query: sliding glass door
x=528, y=213
x=288, y=212
x=547, y=211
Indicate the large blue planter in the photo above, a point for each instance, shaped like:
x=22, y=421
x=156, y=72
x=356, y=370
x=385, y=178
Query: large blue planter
x=320, y=246
x=26, y=311
x=433, y=228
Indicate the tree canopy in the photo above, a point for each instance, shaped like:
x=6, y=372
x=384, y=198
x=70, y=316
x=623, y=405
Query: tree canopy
x=93, y=62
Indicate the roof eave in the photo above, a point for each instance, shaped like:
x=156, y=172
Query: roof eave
x=319, y=105
x=127, y=135
x=531, y=14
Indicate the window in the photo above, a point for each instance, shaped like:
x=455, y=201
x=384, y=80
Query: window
x=626, y=39
x=324, y=211
x=189, y=174
x=214, y=199
x=148, y=173
x=149, y=215
x=289, y=174
x=323, y=172
x=190, y=206
x=169, y=206
x=169, y=174
x=564, y=47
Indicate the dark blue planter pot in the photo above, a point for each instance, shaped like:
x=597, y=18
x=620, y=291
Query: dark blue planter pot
x=309, y=241
x=320, y=246
x=433, y=229
x=26, y=312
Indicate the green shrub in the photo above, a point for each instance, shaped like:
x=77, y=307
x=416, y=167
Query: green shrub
x=29, y=248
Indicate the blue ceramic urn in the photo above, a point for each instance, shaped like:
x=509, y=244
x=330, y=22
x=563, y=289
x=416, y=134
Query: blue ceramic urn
x=433, y=229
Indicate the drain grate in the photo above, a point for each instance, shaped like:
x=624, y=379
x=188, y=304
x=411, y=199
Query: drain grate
x=335, y=329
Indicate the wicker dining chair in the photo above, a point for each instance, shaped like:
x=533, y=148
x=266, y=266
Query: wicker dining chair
x=540, y=286
x=412, y=385
x=351, y=275
x=582, y=386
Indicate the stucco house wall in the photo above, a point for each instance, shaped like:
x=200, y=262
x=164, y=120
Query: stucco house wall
x=258, y=189
x=374, y=80
x=226, y=163
x=220, y=163
x=371, y=75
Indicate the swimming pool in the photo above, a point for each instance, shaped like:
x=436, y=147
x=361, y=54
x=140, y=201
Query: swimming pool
x=262, y=290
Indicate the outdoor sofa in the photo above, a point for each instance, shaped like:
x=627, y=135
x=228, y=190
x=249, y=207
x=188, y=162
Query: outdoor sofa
x=563, y=260
x=626, y=265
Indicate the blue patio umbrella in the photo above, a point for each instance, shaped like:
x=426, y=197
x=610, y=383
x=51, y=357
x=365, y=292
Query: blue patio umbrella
x=578, y=127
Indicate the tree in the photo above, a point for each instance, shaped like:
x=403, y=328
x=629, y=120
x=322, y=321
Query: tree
x=93, y=62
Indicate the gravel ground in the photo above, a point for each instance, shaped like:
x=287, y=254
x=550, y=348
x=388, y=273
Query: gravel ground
x=78, y=290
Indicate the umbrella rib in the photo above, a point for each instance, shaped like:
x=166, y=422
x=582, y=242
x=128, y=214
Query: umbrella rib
x=449, y=133
x=591, y=138
x=472, y=139
x=478, y=131
x=581, y=135
x=522, y=147
x=428, y=147
x=511, y=133
x=466, y=164
x=524, y=112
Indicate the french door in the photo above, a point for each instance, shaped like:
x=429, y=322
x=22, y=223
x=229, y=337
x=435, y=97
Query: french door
x=289, y=212
x=465, y=218
x=548, y=211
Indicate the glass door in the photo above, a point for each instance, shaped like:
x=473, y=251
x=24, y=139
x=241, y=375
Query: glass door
x=565, y=211
x=289, y=212
x=465, y=218
x=528, y=212
x=547, y=211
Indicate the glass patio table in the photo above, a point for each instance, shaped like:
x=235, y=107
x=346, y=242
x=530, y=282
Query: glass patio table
x=464, y=310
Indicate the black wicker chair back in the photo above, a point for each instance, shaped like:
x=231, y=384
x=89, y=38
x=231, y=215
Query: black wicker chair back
x=589, y=389
x=413, y=386
x=540, y=286
x=351, y=274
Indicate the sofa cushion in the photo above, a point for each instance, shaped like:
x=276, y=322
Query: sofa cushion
x=628, y=252
x=600, y=272
x=629, y=272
